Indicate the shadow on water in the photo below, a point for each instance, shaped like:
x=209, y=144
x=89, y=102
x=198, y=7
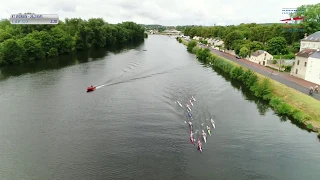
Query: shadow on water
x=63, y=61
x=262, y=105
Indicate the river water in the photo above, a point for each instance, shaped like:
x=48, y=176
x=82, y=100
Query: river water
x=50, y=128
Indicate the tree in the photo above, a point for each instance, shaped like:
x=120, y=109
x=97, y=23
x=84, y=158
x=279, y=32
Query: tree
x=11, y=52
x=36, y=42
x=4, y=36
x=32, y=48
x=244, y=52
x=277, y=45
x=235, y=35
x=255, y=45
x=191, y=45
x=312, y=17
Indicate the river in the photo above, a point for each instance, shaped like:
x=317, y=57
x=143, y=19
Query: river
x=51, y=128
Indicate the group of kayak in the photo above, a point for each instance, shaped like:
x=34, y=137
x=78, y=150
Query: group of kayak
x=190, y=118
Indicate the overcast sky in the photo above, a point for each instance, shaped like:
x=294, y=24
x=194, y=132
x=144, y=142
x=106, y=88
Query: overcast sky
x=164, y=12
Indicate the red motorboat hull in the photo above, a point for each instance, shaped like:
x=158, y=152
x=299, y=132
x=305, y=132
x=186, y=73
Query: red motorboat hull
x=89, y=89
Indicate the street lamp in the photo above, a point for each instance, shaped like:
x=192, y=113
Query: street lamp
x=279, y=63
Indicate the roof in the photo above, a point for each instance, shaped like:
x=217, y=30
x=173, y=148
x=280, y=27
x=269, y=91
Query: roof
x=316, y=55
x=315, y=37
x=258, y=53
x=306, y=53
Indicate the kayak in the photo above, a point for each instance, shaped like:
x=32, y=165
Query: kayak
x=179, y=103
x=204, y=135
x=91, y=88
x=209, y=131
x=190, y=124
x=193, y=98
x=191, y=138
x=213, y=125
x=188, y=109
x=189, y=114
x=191, y=103
x=199, y=145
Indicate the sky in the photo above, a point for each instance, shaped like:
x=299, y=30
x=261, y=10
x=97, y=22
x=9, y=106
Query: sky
x=164, y=12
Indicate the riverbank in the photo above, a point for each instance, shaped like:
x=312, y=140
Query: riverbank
x=285, y=101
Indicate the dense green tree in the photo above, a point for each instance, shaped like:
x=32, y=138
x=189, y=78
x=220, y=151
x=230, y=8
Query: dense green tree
x=244, y=52
x=32, y=49
x=191, y=45
x=312, y=17
x=27, y=43
x=12, y=52
x=231, y=37
x=277, y=45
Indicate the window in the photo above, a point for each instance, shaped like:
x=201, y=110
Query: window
x=298, y=62
x=296, y=71
x=305, y=64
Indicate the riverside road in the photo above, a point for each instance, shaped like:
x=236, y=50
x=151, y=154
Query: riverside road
x=280, y=77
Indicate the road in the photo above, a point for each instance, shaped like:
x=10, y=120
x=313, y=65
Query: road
x=284, y=78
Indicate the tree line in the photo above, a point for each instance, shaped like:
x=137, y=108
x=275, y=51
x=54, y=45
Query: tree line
x=277, y=39
x=28, y=43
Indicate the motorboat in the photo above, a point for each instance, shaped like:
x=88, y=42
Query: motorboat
x=91, y=88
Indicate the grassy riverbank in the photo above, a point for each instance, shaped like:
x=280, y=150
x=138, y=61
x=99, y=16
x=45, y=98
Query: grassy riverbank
x=285, y=101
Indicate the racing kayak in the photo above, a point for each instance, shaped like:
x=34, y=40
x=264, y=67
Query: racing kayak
x=188, y=107
x=179, y=103
x=204, y=135
x=199, y=145
x=190, y=124
x=191, y=137
x=191, y=103
x=209, y=131
x=212, y=122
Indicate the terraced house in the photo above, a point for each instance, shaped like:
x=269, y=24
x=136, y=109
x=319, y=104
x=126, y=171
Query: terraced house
x=307, y=61
x=310, y=42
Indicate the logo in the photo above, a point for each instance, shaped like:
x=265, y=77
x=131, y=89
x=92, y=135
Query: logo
x=292, y=20
x=289, y=10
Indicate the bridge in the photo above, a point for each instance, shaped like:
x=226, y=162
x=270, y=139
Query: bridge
x=171, y=32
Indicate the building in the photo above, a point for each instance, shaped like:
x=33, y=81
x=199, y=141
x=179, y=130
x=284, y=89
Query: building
x=301, y=62
x=171, y=32
x=310, y=42
x=260, y=57
x=312, y=73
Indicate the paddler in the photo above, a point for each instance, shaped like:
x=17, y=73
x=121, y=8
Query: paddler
x=190, y=124
x=209, y=131
x=199, y=145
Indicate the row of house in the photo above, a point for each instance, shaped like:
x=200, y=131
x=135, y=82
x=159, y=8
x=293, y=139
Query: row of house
x=307, y=61
x=259, y=56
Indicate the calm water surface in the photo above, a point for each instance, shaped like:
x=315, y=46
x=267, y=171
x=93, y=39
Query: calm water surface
x=50, y=128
